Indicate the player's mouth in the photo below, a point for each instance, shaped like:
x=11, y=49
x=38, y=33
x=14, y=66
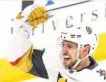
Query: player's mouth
x=66, y=58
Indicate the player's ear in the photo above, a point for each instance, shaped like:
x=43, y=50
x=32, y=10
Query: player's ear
x=86, y=49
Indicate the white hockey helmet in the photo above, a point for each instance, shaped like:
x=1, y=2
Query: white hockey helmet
x=80, y=36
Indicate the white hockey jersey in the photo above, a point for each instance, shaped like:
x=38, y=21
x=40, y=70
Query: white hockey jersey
x=96, y=73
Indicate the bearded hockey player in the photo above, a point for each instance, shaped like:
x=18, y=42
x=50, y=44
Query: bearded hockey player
x=75, y=47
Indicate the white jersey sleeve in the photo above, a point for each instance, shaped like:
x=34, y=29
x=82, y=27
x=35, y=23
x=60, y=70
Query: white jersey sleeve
x=19, y=41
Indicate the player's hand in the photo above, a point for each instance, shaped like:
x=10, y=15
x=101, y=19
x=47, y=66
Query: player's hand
x=37, y=16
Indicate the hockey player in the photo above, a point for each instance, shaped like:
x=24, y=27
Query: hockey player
x=76, y=63
x=20, y=52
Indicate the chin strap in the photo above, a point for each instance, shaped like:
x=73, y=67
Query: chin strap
x=78, y=59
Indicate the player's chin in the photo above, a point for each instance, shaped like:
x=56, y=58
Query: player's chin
x=67, y=63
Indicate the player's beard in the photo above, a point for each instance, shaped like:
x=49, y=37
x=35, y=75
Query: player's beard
x=69, y=63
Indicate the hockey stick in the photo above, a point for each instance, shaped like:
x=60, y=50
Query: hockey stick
x=65, y=6
x=49, y=10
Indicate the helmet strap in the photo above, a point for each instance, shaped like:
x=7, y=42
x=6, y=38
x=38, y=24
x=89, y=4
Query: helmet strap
x=78, y=59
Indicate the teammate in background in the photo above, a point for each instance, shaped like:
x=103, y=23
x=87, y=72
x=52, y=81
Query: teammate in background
x=20, y=52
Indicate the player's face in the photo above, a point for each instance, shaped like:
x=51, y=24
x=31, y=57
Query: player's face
x=69, y=52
